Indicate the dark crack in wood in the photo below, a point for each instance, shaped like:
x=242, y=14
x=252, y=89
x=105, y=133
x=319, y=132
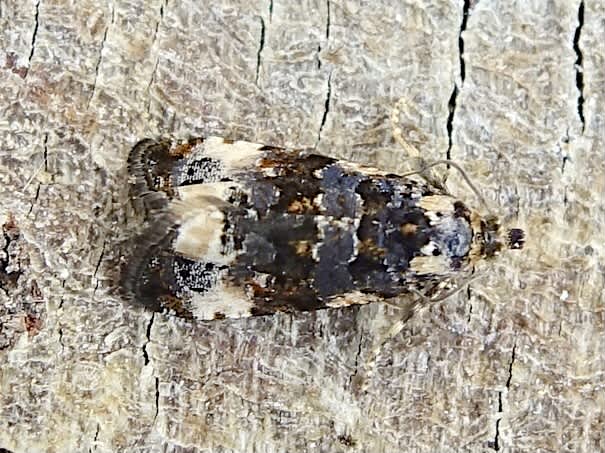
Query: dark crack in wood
x=455, y=90
x=148, y=339
x=261, y=46
x=34, y=36
x=326, y=108
x=578, y=64
x=510, y=367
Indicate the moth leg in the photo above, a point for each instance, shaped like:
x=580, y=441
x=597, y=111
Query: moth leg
x=418, y=163
x=411, y=150
x=422, y=301
x=409, y=308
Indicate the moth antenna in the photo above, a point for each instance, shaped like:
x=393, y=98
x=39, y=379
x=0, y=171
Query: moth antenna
x=412, y=151
x=462, y=173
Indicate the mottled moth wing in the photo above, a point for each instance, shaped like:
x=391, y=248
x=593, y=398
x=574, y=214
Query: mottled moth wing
x=240, y=229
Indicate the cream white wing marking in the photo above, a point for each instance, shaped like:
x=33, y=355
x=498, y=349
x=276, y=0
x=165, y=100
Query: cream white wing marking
x=358, y=168
x=222, y=300
x=437, y=203
x=352, y=298
x=430, y=265
x=199, y=237
x=234, y=156
x=202, y=221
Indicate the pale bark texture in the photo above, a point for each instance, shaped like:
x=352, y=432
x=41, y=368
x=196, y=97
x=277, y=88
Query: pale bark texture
x=512, y=91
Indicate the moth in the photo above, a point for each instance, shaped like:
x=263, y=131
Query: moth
x=240, y=229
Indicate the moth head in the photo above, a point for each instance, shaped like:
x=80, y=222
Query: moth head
x=490, y=240
x=516, y=238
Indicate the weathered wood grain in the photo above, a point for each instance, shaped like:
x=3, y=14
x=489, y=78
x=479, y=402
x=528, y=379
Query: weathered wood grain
x=513, y=91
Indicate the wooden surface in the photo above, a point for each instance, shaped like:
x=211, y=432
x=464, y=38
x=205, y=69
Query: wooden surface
x=513, y=91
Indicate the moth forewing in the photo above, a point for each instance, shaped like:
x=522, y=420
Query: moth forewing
x=246, y=229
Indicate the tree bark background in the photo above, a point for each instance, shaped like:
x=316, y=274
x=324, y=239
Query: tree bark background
x=513, y=91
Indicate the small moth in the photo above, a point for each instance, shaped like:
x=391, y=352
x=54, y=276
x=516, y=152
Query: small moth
x=240, y=229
